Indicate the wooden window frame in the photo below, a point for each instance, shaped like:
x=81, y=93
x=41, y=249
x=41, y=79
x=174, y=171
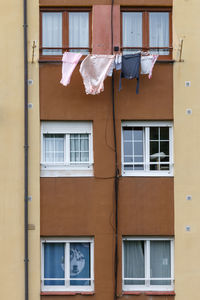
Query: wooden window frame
x=145, y=33
x=65, y=32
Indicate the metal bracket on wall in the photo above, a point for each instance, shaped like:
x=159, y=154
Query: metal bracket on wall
x=181, y=51
x=33, y=51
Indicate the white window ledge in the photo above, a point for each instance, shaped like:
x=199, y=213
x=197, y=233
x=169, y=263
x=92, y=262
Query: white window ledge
x=66, y=171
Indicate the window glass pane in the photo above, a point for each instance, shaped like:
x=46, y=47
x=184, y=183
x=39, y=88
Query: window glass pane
x=52, y=32
x=164, y=133
x=79, y=30
x=128, y=148
x=138, y=148
x=79, y=147
x=128, y=167
x=138, y=134
x=53, y=148
x=164, y=167
x=154, y=149
x=127, y=133
x=134, y=262
x=132, y=30
x=133, y=147
x=154, y=133
x=138, y=158
x=159, y=31
x=160, y=262
x=80, y=263
x=159, y=148
x=54, y=263
x=164, y=148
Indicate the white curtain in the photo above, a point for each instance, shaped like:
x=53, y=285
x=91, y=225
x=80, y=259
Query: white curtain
x=160, y=262
x=159, y=31
x=52, y=32
x=134, y=262
x=132, y=30
x=53, y=148
x=79, y=147
x=79, y=30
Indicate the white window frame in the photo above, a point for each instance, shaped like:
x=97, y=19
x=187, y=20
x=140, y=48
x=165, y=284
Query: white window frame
x=67, y=279
x=67, y=168
x=146, y=125
x=147, y=286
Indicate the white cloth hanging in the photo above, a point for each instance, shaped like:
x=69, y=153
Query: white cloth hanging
x=94, y=69
x=147, y=64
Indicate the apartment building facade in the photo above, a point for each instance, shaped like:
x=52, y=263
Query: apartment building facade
x=102, y=181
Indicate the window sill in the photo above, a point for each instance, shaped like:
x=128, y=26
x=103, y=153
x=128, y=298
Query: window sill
x=67, y=172
x=66, y=293
x=132, y=293
x=150, y=293
x=160, y=293
x=146, y=174
x=58, y=59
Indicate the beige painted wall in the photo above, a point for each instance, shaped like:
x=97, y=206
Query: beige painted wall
x=12, y=152
x=187, y=150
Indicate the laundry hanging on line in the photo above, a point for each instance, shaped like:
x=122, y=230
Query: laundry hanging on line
x=69, y=62
x=94, y=69
x=147, y=64
x=117, y=64
x=130, y=68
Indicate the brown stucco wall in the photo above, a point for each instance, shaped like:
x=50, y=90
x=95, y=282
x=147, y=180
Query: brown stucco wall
x=84, y=206
x=154, y=101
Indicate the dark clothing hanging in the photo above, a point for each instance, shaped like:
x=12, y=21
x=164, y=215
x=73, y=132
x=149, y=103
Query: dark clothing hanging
x=131, y=68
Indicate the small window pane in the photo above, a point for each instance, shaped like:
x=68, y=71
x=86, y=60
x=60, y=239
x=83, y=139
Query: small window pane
x=128, y=158
x=138, y=148
x=80, y=263
x=128, y=148
x=134, y=262
x=54, y=263
x=128, y=167
x=154, y=133
x=127, y=132
x=164, y=167
x=164, y=148
x=138, y=134
x=159, y=31
x=138, y=158
x=164, y=133
x=154, y=167
x=160, y=262
x=52, y=33
x=132, y=29
x=154, y=149
x=79, y=31
x=138, y=167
